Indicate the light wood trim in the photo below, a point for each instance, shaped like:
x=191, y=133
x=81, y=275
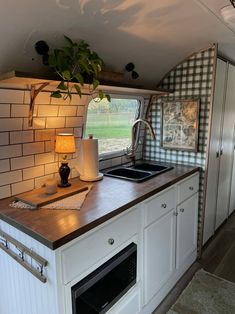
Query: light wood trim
x=17, y=77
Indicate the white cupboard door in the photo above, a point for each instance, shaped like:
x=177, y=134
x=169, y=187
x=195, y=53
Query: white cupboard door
x=232, y=191
x=213, y=161
x=226, y=158
x=159, y=254
x=186, y=229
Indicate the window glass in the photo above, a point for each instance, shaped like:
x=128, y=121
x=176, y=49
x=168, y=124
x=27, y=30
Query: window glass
x=111, y=122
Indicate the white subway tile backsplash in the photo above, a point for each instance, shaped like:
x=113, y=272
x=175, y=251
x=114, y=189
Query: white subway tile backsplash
x=47, y=111
x=19, y=111
x=65, y=130
x=10, y=177
x=11, y=96
x=39, y=123
x=10, y=151
x=33, y=172
x=27, y=153
x=4, y=138
x=4, y=165
x=55, y=123
x=22, y=162
x=77, y=101
x=60, y=101
x=45, y=158
x=50, y=146
x=21, y=187
x=74, y=121
x=67, y=111
x=77, y=132
x=11, y=124
x=5, y=191
x=43, y=98
x=80, y=111
x=52, y=168
x=44, y=135
x=21, y=137
x=27, y=97
x=33, y=148
x=5, y=110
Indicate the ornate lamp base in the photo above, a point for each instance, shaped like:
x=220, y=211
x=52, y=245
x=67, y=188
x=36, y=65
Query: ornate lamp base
x=64, y=172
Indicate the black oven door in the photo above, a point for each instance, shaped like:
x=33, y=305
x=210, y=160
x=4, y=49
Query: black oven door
x=97, y=292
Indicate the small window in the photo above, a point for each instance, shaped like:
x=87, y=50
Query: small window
x=111, y=122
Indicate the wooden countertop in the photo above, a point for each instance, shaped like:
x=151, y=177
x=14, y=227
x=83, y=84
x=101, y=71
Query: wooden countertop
x=107, y=199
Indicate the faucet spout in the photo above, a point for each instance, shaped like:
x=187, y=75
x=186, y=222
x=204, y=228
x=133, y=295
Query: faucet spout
x=133, y=138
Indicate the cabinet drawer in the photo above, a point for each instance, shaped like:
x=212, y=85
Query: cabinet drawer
x=188, y=188
x=89, y=250
x=159, y=205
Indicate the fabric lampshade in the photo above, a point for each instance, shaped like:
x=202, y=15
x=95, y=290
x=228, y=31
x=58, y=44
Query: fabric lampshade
x=65, y=143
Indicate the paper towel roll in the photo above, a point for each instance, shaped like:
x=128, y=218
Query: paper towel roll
x=88, y=164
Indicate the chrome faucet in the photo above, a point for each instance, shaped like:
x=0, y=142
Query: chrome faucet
x=134, y=144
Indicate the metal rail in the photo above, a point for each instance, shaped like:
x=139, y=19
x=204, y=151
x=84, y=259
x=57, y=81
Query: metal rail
x=5, y=244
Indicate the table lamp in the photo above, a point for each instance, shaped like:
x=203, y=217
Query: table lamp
x=65, y=144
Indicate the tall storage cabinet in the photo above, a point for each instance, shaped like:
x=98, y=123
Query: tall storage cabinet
x=220, y=161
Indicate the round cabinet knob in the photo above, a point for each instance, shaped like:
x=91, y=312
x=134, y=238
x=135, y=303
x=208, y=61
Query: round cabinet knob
x=175, y=214
x=182, y=210
x=191, y=188
x=111, y=241
x=164, y=205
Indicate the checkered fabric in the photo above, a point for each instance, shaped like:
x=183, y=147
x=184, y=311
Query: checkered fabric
x=192, y=79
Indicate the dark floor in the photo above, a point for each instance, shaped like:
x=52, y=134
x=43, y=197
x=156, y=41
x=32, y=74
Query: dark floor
x=218, y=257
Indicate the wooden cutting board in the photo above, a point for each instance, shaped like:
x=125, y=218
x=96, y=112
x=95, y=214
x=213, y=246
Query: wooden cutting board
x=38, y=197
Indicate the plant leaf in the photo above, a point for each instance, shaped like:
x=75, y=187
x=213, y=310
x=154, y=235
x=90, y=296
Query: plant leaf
x=95, y=83
x=101, y=94
x=66, y=74
x=70, y=42
x=52, y=60
x=56, y=94
x=68, y=51
x=80, y=78
x=62, y=86
x=108, y=97
x=78, y=89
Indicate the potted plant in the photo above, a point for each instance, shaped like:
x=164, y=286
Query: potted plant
x=75, y=64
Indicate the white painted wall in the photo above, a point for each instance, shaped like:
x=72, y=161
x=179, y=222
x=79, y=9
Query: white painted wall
x=154, y=35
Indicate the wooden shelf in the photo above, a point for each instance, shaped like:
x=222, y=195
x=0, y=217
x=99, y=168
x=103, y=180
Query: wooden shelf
x=18, y=77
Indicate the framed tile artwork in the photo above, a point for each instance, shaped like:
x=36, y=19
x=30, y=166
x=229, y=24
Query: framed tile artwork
x=179, y=125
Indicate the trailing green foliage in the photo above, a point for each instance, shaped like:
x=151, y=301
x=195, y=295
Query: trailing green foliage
x=76, y=65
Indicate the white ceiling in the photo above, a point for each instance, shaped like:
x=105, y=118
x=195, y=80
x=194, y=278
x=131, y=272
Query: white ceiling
x=155, y=35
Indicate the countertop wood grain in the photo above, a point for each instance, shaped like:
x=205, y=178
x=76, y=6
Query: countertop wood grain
x=107, y=199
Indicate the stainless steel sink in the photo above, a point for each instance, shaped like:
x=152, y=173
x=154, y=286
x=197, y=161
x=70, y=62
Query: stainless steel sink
x=138, y=173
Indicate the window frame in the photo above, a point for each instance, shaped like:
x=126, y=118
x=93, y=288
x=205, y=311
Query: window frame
x=119, y=153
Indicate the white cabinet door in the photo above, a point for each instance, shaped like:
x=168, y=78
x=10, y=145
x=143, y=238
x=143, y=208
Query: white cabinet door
x=213, y=161
x=226, y=158
x=159, y=254
x=186, y=229
x=232, y=191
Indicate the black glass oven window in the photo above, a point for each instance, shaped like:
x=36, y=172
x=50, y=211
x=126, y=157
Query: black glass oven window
x=101, y=289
